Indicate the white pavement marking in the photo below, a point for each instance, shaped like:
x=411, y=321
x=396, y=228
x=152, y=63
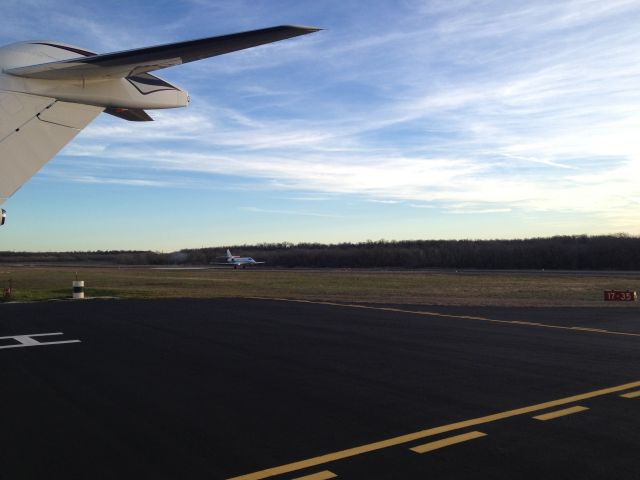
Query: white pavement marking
x=29, y=341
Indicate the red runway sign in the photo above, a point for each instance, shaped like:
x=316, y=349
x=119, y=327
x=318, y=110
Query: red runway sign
x=620, y=295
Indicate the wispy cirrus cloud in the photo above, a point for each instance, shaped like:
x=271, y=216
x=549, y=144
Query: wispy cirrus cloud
x=454, y=107
x=130, y=182
x=289, y=212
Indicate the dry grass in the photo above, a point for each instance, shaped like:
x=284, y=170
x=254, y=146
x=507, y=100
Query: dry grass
x=410, y=287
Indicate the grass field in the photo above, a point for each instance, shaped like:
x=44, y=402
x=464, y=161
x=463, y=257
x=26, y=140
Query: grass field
x=403, y=287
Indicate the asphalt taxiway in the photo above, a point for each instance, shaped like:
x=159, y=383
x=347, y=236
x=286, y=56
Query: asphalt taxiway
x=252, y=388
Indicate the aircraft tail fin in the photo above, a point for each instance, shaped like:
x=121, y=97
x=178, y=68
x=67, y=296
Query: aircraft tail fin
x=229, y=254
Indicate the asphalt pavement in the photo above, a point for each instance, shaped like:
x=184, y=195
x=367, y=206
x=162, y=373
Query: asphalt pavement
x=251, y=389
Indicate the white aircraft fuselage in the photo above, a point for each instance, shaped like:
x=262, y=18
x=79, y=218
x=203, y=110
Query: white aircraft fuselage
x=236, y=261
x=240, y=261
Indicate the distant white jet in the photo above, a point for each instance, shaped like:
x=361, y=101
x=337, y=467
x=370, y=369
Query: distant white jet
x=50, y=91
x=237, y=261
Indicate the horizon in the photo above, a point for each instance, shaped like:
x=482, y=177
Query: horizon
x=286, y=244
x=449, y=120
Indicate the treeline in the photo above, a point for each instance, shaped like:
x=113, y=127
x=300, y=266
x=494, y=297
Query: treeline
x=117, y=257
x=611, y=252
x=615, y=252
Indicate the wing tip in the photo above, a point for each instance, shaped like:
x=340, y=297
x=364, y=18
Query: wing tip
x=304, y=28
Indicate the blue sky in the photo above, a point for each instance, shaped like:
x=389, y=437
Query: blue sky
x=401, y=120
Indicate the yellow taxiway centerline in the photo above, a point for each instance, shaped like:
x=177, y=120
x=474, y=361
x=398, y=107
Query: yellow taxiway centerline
x=352, y=452
x=560, y=413
x=448, y=315
x=445, y=442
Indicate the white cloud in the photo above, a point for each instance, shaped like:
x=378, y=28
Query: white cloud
x=500, y=107
x=288, y=212
x=118, y=181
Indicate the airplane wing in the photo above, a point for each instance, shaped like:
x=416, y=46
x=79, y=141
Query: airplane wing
x=32, y=130
x=141, y=60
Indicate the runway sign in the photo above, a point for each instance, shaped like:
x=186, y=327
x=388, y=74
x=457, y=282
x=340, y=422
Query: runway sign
x=620, y=295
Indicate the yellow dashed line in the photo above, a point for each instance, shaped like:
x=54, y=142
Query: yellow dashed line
x=352, y=452
x=631, y=394
x=326, y=475
x=560, y=413
x=431, y=446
